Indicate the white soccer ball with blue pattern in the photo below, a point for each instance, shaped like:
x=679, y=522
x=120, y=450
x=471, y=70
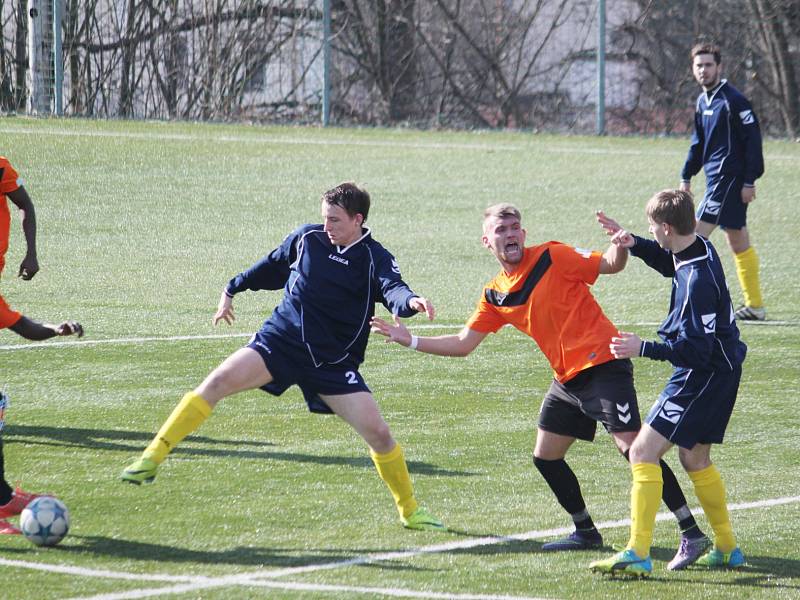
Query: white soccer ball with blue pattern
x=45, y=521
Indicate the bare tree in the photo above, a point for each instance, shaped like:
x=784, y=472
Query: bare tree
x=456, y=63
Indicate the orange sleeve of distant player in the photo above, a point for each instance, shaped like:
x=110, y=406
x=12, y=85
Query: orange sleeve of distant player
x=575, y=263
x=8, y=317
x=9, y=178
x=485, y=319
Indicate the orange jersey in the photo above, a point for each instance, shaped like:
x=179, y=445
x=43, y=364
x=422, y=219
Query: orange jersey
x=548, y=298
x=9, y=182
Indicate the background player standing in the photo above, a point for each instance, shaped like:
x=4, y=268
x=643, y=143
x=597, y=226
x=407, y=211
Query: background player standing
x=726, y=144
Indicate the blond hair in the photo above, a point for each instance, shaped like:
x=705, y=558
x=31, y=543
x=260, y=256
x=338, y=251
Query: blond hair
x=500, y=211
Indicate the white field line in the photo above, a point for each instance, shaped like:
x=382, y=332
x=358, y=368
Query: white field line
x=222, y=336
x=288, y=140
x=182, y=584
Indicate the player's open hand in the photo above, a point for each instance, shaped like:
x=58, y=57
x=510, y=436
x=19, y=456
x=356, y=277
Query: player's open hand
x=224, y=310
x=69, y=328
x=607, y=223
x=420, y=304
x=626, y=345
x=394, y=333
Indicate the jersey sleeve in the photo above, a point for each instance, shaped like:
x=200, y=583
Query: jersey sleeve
x=576, y=263
x=395, y=294
x=485, y=319
x=694, y=346
x=694, y=160
x=654, y=256
x=749, y=132
x=271, y=272
x=10, y=180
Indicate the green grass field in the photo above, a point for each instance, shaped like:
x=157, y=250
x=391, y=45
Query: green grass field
x=141, y=225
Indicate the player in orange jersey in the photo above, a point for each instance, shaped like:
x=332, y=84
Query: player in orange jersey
x=543, y=291
x=13, y=501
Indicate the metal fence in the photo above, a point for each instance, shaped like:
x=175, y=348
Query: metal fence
x=433, y=63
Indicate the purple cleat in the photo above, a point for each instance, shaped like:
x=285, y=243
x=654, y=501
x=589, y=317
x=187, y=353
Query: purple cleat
x=577, y=540
x=689, y=551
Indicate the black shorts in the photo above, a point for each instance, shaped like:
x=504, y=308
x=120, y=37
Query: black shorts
x=603, y=393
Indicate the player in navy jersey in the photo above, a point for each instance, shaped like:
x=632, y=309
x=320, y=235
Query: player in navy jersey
x=701, y=340
x=726, y=144
x=332, y=275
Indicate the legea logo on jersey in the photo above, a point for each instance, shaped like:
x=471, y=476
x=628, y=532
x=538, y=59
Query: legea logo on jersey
x=339, y=259
x=747, y=117
x=709, y=322
x=671, y=412
x=395, y=267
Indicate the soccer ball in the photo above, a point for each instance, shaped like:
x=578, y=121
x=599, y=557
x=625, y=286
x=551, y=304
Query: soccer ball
x=45, y=521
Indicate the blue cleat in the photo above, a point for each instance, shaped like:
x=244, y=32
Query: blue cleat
x=722, y=560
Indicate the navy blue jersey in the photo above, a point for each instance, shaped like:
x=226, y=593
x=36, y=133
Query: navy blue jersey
x=700, y=331
x=726, y=139
x=330, y=292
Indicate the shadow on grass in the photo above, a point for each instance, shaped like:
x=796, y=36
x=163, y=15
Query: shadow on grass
x=135, y=441
x=759, y=572
x=250, y=556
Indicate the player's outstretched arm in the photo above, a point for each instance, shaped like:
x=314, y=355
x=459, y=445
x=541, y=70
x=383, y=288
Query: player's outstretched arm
x=33, y=330
x=444, y=345
x=224, y=309
x=615, y=257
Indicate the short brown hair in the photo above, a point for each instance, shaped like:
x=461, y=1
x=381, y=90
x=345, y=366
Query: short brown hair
x=353, y=199
x=500, y=211
x=707, y=48
x=673, y=207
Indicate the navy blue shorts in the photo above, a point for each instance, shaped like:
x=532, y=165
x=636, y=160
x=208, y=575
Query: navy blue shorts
x=695, y=406
x=290, y=364
x=603, y=393
x=722, y=204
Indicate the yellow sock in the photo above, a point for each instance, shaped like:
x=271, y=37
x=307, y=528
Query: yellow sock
x=747, y=270
x=393, y=470
x=710, y=491
x=190, y=413
x=648, y=484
